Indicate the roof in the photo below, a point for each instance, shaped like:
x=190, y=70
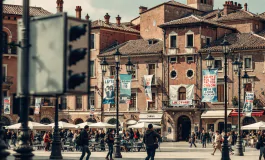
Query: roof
x=136, y=47
x=211, y=14
x=262, y=15
x=18, y=10
x=238, y=41
x=239, y=14
x=174, y=3
x=194, y=19
x=122, y=27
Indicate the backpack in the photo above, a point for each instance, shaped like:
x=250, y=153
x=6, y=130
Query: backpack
x=78, y=140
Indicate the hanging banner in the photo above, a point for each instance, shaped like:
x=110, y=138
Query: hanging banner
x=248, y=106
x=109, y=94
x=6, y=105
x=209, y=85
x=125, y=88
x=37, y=105
x=147, y=86
x=174, y=98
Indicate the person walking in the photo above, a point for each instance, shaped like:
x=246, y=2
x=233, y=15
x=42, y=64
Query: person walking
x=203, y=139
x=192, y=140
x=151, y=139
x=8, y=138
x=217, y=142
x=110, y=142
x=46, y=139
x=84, y=143
x=97, y=136
x=261, y=141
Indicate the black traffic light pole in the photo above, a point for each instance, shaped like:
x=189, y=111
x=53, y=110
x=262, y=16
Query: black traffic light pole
x=3, y=147
x=56, y=143
x=24, y=150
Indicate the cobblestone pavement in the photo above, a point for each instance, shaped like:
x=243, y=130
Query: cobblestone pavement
x=168, y=151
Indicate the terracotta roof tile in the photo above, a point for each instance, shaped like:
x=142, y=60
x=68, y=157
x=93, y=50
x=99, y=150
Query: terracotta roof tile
x=211, y=14
x=238, y=41
x=122, y=27
x=18, y=10
x=195, y=19
x=136, y=47
x=239, y=14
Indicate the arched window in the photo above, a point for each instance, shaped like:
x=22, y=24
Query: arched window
x=112, y=121
x=6, y=121
x=93, y=120
x=78, y=121
x=45, y=121
x=64, y=120
x=5, y=42
x=182, y=93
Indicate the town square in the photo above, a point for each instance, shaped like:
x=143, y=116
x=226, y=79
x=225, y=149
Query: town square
x=132, y=79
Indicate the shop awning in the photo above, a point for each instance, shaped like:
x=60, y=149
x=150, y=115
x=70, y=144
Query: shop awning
x=255, y=113
x=150, y=118
x=215, y=114
x=131, y=122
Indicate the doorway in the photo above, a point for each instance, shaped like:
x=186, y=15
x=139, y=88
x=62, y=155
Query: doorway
x=221, y=127
x=184, y=128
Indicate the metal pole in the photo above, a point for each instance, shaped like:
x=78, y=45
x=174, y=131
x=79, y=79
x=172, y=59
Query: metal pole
x=3, y=147
x=24, y=150
x=239, y=147
x=56, y=143
x=225, y=150
x=117, y=138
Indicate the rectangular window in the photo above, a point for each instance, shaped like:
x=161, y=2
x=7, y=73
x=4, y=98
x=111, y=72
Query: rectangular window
x=218, y=64
x=173, y=59
x=78, y=102
x=208, y=41
x=152, y=71
x=132, y=105
x=173, y=41
x=63, y=103
x=220, y=92
x=134, y=72
x=112, y=70
x=4, y=70
x=92, y=44
x=190, y=59
x=92, y=69
x=190, y=40
x=152, y=105
x=248, y=63
x=91, y=99
x=47, y=101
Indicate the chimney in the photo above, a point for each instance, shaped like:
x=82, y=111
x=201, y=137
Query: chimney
x=107, y=17
x=246, y=7
x=239, y=6
x=142, y=9
x=231, y=6
x=218, y=14
x=59, y=6
x=87, y=17
x=78, y=11
x=118, y=20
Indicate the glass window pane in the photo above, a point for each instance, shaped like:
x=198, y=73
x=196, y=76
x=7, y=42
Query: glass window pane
x=218, y=64
x=92, y=69
x=92, y=41
x=173, y=41
x=190, y=40
x=247, y=62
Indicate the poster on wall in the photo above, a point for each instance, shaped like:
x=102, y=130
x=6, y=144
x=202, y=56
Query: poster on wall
x=248, y=105
x=125, y=88
x=6, y=105
x=174, y=98
x=109, y=94
x=147, y=87
x=209, y=85
x=37, y=105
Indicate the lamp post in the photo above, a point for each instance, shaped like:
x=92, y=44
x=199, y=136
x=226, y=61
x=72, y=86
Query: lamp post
x=237, y=65
x=129, y=65
x=225, y=149
x=209, y=60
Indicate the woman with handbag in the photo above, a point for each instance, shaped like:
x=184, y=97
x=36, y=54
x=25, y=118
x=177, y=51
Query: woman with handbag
x=260, y=144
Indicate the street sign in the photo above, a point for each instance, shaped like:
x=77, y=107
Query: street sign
x=59, y=56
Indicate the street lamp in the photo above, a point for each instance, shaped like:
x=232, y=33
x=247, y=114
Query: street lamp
x=237, y=64
x=225, y=149
x=245, y=78
x=209, y=60
x=117, y=56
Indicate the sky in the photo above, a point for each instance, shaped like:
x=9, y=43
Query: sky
x=127, y=9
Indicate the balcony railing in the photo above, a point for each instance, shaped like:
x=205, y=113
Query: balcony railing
x=155, y=81
x=172, y=51
x=190, y=50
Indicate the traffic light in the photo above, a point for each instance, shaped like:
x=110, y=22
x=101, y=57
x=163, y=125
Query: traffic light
x=59, y=56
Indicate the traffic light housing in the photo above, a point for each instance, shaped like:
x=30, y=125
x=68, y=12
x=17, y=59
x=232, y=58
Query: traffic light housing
x=59, y=56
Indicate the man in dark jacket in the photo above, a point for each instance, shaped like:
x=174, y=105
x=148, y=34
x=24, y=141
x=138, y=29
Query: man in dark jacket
x=203, y=139
x=84, y=143
x=150, y=139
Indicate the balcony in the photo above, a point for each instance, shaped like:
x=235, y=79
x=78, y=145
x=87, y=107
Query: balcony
x=183, y=105
x=7, y=81
x=156, y=81
x=190, y=50
x=172, y=51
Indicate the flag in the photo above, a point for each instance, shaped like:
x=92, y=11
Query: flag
x=6, y=105
x=209, y=85
x=147, y=85
x=37, y=105
x=108, y=92
x=248, y=105
x=125, y=88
